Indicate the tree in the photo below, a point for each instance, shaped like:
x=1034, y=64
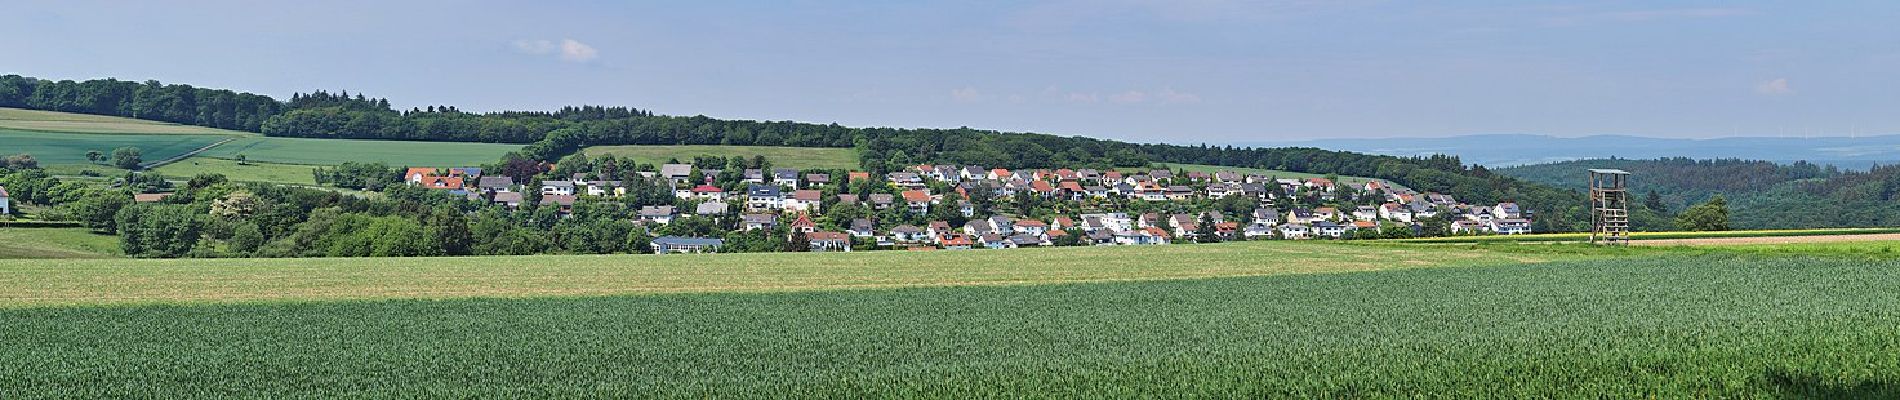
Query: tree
x=1654, y=202
x=1710, y=216
x=20, y=161
x=127, y=157
x=450, y=226
x=1206, y=232
x=95, y=156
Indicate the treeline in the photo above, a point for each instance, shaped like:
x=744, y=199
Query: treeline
x=1758, y=194
x=150, y=100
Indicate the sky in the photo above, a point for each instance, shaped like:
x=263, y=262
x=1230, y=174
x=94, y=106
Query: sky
x=1178, y=71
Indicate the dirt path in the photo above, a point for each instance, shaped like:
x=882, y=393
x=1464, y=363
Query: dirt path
x=1768, y=240
x=162, y=163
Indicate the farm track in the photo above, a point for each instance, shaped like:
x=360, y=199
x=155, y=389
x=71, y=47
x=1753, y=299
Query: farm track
x=1768, y=240
x=189, y=154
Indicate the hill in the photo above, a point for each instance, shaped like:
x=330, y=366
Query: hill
x=51, y=121
x=337, y=151
x=50, y=243
x=785, y=157
x=1761, y=194
x=1502, y=150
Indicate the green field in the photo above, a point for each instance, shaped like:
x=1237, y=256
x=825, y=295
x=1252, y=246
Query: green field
x=250, y=171
x=1637, y=325
x=70, y=148
x=1349, y=180
x=337, y=151
x=781, y=157
x=127, y=281
x=1637, y=236
x=52, y=243
x=50, y=121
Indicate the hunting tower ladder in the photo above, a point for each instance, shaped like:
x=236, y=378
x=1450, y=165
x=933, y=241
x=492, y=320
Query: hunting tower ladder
x=1609, y=207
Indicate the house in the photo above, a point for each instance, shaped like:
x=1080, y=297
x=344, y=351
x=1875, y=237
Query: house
x=442, y=182
x=803, y=224
x=6, y=202
x=786, y=177
x=1365, y=213
x=710, y=209
x=1296, y=231
x=1506, y=210
x=829, y=241
x=754, y=176
x=677, y=173
x=918, y=201
x=658, y=214
x=557, y=188
x=862, y=227
x=709, y=193
x=1025, y=240
x=603, y=188
x=1395, y=212
x=495, y=184
x=1511, y=226
x=855, y=176
x=1329, y=229
x=1031, y=227
x=682, y=245
x=512, y=200
x=415, y=176
x=565, y=202
x=764, y=197
x=817, y=180
x=907, y=180
x=995, y=241
x=882, y=201
x=804, y=200
x=954, y=241
x=752, y=222
x=848, y=199
x=907, y=233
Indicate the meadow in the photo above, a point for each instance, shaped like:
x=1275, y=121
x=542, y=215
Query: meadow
x=1640, y=236
x=1659, y=326
x=337, y=151
x=55, y=243
x=71, y=148
x=52, y=121
x=781, y=157
x=249, y=171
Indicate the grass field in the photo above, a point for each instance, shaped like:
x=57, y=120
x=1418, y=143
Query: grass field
x=781, y=157
x=1639, y=236
x=250, y=171
x=1658, y=326
x=337, y=151
x=49, y=121
x=25, y=283
x=1349, y=180
x=55, y=243
x=69, y=148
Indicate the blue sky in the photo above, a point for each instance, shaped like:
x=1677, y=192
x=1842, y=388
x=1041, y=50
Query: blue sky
x=1176, y=71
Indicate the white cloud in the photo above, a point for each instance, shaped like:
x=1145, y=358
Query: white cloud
x=569, y=50
x=572, y=50
x=1132, y=96
x=1079, y=97
x=966, y=95
x=1777, y=86
x=1170, y=96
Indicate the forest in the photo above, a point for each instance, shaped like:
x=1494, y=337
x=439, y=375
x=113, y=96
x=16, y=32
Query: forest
x=1762, y=194
x=553, y=135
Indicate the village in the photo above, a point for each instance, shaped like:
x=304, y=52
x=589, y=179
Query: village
x=767, y=199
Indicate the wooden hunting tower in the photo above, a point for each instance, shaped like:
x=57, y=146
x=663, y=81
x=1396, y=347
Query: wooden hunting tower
x=1609, y=207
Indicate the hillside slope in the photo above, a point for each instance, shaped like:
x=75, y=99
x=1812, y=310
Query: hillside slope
x=1761, y=194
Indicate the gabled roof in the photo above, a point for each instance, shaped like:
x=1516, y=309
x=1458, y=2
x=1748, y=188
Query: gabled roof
x=803, y=221
x=707, y=189
x=676, y=170
x=495, y=182
x=822, y=236
x=763, y=190
x=916, y=196
x=807, y=195
x=759, y=218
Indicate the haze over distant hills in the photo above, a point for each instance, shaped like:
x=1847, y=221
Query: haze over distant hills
x=1499, y=150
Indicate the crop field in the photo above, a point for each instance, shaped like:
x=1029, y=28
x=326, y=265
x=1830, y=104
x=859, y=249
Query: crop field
x=1655, y=326
x=781, y=157
x=25, y=283
x=54, y=243
x=337, y=151
x=1646, y=236
x=250, y=171
x=71, y=148
x=51, y=121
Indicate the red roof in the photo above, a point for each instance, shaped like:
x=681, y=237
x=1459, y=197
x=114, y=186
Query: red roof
x=1072, y=186
x=1041, y=186
x=412, y=172
x=916, y=196
x=803, y=222
x=807, y=195
x=1058, y=232
x=817, y=236
x=854, y=176
x=1030, y=222
x=1364, y=224
x=956, y=240
x=1156, y=231
x=442, y=182
x=707, y=189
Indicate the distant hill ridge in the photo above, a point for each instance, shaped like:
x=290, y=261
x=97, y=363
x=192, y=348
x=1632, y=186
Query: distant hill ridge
x=1503, y=150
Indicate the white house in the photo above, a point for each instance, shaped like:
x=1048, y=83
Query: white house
x=6, y=202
